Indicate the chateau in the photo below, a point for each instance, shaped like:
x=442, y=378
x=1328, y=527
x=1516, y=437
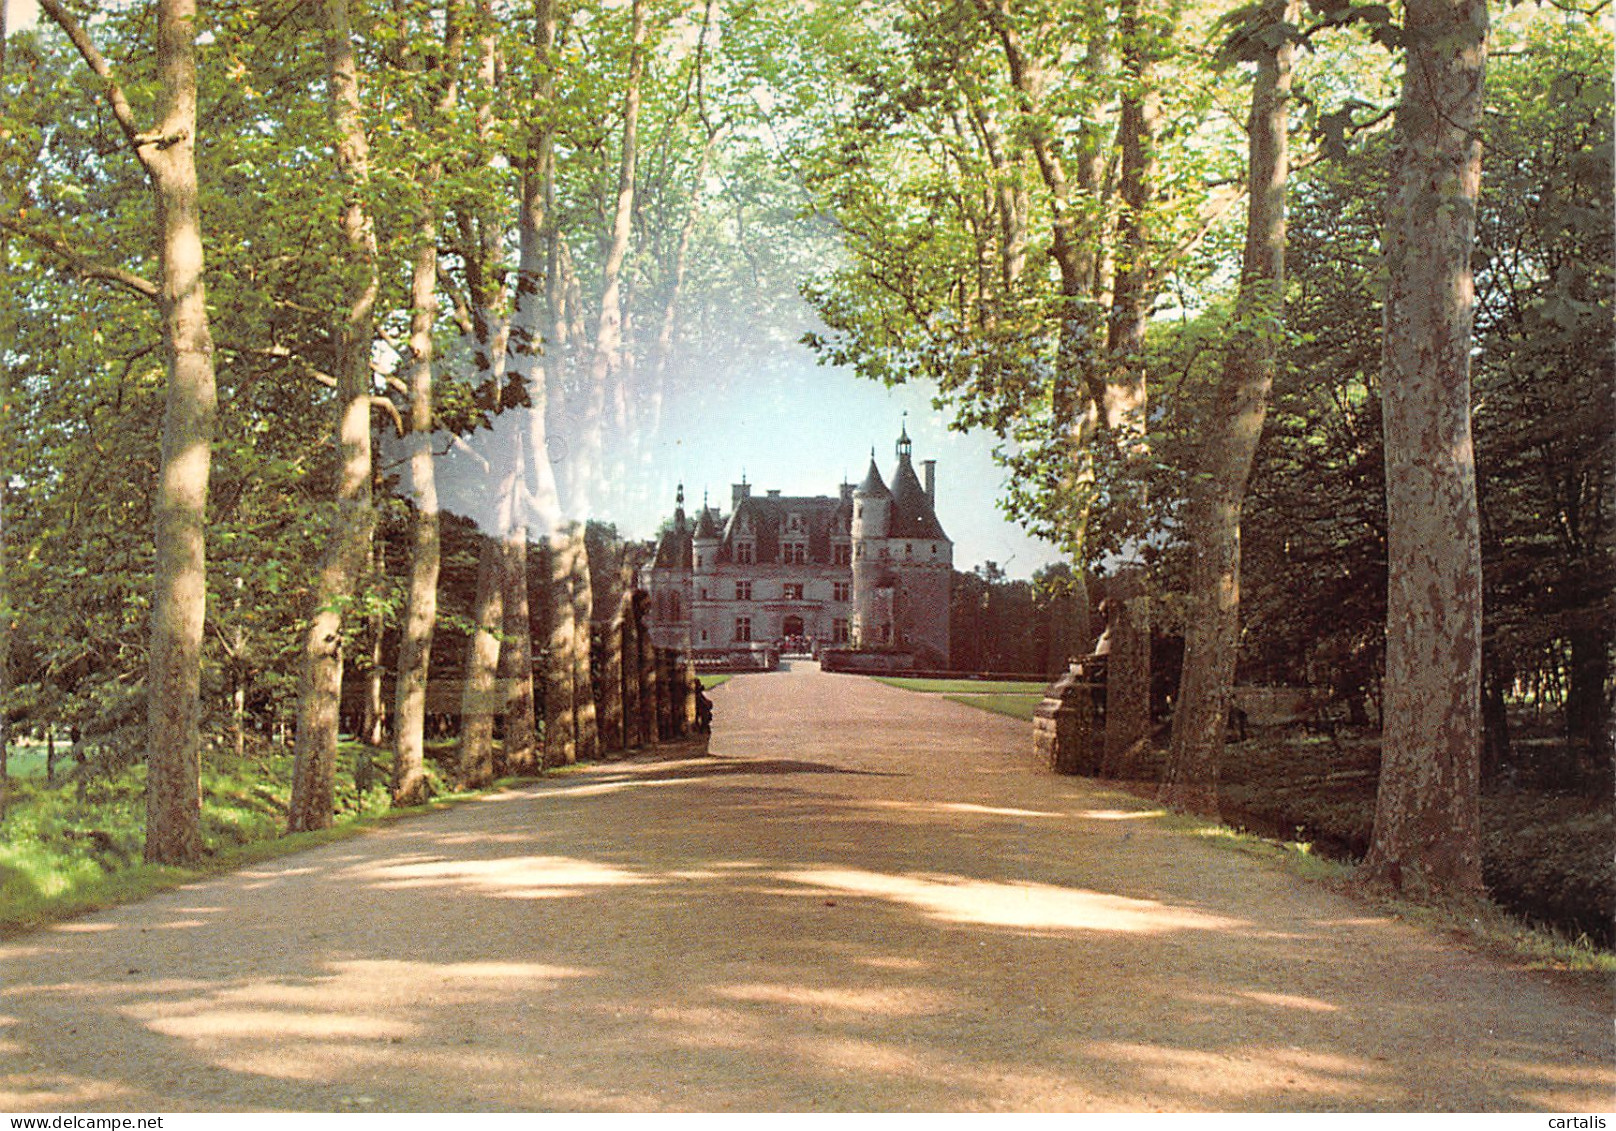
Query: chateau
x=868, y=571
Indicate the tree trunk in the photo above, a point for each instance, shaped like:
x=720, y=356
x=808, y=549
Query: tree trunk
x=314, y=767
x=426, y=544
x=583, y=685
x=1133, y=288
x=173, y=684
x=1127, y=680
x=606, y=360
x=478, y=706
x=516, y=656
x=1496, y=678
x=1426, y=835
x=1587, y=708
x=560, y=705
x=1212, y=631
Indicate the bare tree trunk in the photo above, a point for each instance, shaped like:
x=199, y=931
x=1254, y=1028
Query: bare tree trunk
x=314, y=767
x=516, y=655
x=478, y=705
x=1132, y=290
x=1212, y=634
x=426, y=544
x=560, y=703
x=173, y=685
x=1427, y=835
x=607, y=357
x=583, y=687
x=374, y=727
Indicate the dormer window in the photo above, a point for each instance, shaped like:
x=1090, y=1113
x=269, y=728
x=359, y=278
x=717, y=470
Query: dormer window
x=794, y=523
x=743, y=553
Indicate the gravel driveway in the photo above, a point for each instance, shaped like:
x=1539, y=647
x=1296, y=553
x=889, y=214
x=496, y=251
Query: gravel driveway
x=864, y=899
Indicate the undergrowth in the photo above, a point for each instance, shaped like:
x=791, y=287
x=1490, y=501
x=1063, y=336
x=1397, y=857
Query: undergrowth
x=78, y=844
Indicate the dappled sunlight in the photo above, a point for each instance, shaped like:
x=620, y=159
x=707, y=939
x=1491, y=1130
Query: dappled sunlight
x=845, y=999
x=1289, y=1001
x=1249, y=1076
x=957, y=899
x=44, y=1091
x=262, y=1024
x=506, y=877
x=952, y=807
x=86, y=928
x=308, y=1029
x=1120, y=814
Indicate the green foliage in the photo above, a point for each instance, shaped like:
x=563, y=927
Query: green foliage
x=1548, y=858
x=83, y=839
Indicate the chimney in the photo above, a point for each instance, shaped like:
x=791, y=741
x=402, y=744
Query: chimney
x=739, y=491
x=774, y=494
x=931, y=481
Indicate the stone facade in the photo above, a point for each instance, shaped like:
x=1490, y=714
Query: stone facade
x=869, y=568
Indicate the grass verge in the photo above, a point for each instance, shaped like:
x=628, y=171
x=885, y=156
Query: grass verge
x=966, y=686
x=76, y=847
x=1016, y=706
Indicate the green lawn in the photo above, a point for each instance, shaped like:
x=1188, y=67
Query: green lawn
x=708, y=682
x=1016, y=706
x=27, y=760
x=967, y=686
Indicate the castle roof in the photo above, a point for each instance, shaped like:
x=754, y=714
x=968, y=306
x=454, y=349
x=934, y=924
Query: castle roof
x=707, y=524
x=673, y=549
x=873, y=484
x=767, y=522
x=912, y=513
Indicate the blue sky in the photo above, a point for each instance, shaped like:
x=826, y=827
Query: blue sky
x=802, y=428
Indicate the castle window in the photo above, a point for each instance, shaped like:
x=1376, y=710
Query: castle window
x=704, y=636
x=743, y=553
x=792, y=591
x=743, y=590
x=698, y=561
x=743, y=630
x=838, y=630
x=673, y=606
x=842, y=554
x=794, y=522
x=908, y=549
x=704, y=594
x=841, y=590
x=934, y=549
x=794, y=553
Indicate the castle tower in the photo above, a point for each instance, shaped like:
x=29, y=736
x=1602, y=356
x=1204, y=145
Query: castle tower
x=922, y=558
x=705, y=544
x=672, y=581
x=872, y=581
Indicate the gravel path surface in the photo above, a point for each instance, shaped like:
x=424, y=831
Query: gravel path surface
x=864, y=899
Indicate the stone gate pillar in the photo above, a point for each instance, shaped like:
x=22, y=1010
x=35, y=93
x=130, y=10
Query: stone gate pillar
x=1127, y=696
x=1063, y=726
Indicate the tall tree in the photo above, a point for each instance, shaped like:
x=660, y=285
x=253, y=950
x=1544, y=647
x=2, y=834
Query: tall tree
x=1265, y=34
x=1427, y=835
x=421, y=610
x=314, y=768
x=168, y=156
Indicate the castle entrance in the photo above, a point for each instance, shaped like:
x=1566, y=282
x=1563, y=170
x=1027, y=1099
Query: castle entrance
x=791, y=626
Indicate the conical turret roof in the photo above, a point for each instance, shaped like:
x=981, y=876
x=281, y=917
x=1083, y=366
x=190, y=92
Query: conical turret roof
x=873, y=484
